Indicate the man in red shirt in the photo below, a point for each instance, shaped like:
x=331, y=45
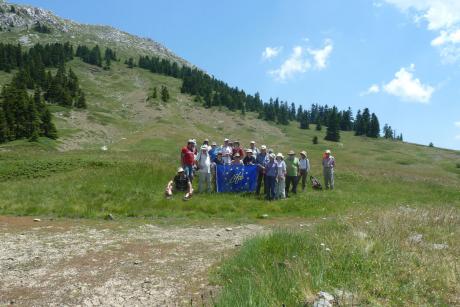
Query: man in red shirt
x=237, y=149
x=188, y=159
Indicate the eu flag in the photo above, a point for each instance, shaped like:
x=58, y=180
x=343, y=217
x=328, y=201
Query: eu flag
x=236, y=178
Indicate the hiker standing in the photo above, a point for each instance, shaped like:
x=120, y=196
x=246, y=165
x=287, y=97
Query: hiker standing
x=304, y=167
x=188, y=159
x=280, y=177
x=261, y=159
x=292, y=169
x=203, y=164
x=271, y=170
x=227, y=152
x=213, y=151
x=328, y=169
x=237, y=149
x=217, y=161
x=255, y=150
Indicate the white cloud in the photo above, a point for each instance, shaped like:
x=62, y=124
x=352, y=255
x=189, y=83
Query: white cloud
x=442, y=16
x=271, y=52
x=373, y=89
x=457, y=124
x=321, y=55
x=408, y=88
x=295, y=64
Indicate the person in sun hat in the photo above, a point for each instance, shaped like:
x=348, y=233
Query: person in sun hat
x=237, y=159
x=261, y=160
x=304, y=168
x=328, y=170
x=292, y=170
x=237, y=149
x=180, y=183
x=188, y=159
x=280, y=177
x=249, y=159
x=255, y=150
x=226, y=150
x=206, y=142
x=271, y=171
x=213, y=151
x=203, y=165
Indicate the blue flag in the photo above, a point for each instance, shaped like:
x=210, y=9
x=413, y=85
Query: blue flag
x=236, y=178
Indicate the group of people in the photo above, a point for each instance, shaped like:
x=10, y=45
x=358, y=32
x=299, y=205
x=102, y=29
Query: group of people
x=278, y=175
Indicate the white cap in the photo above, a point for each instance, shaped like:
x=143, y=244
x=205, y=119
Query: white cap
x=226, y=140
x=280, y=155
x=180, y=170
x=263, y=147
x=328, y=151
x=249, y=150
x=253, y=142
x=190, y=141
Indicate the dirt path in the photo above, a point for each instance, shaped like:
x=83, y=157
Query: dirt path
x=87, y=263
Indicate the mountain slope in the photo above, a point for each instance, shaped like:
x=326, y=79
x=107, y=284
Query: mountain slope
x=17, y=26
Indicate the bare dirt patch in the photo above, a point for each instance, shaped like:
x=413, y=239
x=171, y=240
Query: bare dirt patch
x=50, y=263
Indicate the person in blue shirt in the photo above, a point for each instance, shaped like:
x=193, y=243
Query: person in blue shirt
x=261, y=160
x=213, y=151
x=271, y=171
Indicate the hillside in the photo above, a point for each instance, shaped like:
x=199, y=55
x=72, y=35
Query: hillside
x=386, y=193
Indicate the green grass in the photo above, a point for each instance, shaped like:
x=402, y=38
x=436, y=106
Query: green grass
x=374, y=179
x=362, y=259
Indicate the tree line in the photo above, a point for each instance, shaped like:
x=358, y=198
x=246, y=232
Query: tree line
x=212, y=92
x=27, y=116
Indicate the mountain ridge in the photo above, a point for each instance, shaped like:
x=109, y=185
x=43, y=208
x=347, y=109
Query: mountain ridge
x=19, y=20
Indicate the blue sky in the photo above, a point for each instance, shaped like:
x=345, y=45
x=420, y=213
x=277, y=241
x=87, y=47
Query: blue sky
x=400, y=58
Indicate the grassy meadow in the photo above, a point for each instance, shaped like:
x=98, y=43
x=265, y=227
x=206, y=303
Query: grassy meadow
x=385, y=193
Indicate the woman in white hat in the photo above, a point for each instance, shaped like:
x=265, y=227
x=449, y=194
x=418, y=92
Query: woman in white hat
x=281, y=177
x=328, y=170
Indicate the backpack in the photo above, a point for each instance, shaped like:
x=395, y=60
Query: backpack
x=315, y=184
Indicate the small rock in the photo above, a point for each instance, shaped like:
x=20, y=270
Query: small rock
x=238, y=244
x=322, y=244
x=228, y=229
x=217, y=234
x=109, y=217
x=324, y=300
x=440, y=246
x=136, y=262
x=37, y=220
x=147, y=281
x=104, y=148
x=264, y=216
x=328, y=249
x=415, y=239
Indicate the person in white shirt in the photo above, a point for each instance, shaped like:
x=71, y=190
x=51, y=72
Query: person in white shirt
x=281, y=177
x=203, y=164
x=304, y=168
x=227, y=152
x=255, y=150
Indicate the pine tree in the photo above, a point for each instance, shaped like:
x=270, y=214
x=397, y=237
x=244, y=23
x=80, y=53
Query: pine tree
x=430, y=145
x=332, y=132
x=315, y=140
x=318, y=126
x=3, y=126
x=81, y=101
x=164, y=94
x=374, y=127
x=304, y=121
x=47, y=126
x=359, y=129
x=155, y=93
